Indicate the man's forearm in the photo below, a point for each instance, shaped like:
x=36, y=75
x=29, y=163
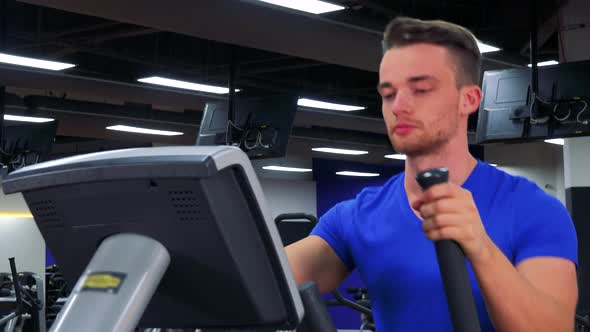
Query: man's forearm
x=513, y=303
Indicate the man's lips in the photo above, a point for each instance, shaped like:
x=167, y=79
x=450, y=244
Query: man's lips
x=403, y=128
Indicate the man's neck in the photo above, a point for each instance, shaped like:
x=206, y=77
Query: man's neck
x=458, y=161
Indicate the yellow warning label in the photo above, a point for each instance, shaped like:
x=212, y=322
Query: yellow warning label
x=103, y=281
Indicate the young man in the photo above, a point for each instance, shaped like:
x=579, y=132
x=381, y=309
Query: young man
x=520, y=242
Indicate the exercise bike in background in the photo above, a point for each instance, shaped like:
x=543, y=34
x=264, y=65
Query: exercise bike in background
x=21, y=301
x=300, y=225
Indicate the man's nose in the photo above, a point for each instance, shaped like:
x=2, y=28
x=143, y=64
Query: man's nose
x=402, y=103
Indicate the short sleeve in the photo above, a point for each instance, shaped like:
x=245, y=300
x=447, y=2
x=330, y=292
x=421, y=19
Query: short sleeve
x=332, y=227
x=543, y=227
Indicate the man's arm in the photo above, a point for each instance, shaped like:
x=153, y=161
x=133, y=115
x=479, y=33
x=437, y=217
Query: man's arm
x=313, y=259
x=540, y=294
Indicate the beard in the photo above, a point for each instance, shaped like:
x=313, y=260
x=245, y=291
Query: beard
x=424, y=142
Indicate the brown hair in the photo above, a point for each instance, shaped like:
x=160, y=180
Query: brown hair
x=460, y=43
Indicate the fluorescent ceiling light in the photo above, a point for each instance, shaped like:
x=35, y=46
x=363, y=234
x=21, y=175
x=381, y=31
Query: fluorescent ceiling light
x=396, y=156
x=286, y=169
x=320, y=104
x=144, y=131
x=495, y=165
x=26, y=118
x=185, y=85
x=545, y=63
x=349, y=173
x=558, y=141
x=341, y=151
x=35, y=63
x=485, y=48
x=310, y=6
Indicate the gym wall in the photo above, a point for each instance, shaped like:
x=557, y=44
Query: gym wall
x=290, y=196
x=539, y=162
x=20, y=238
x=14, y=203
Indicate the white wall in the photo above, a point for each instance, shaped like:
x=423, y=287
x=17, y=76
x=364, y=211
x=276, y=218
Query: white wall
x=288, y=192
x=576, y=153
x=20, y=238
x=12, y=203
x=540, y=162
x=560, y=179
x=290, y=196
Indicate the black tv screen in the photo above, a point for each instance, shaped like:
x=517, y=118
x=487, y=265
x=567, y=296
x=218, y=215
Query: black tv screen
x=261, y=126
x=213, y=128
x=25, y=144
x=571, y=83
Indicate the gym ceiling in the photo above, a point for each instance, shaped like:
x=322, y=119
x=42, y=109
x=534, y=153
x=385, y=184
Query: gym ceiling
x=330, y=57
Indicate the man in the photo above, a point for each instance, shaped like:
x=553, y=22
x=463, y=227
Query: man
x=520, y=242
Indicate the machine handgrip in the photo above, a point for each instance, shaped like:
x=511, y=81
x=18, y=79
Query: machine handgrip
x=316, y=317
x=296, y=216
x=453, y=269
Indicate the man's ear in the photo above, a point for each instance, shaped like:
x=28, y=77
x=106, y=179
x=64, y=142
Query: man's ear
x=470, y=99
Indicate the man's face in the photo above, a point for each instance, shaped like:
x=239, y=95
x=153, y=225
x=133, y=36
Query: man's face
x=420, y=98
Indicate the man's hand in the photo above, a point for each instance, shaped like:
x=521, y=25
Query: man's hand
x=449, y=213
x=540, y=294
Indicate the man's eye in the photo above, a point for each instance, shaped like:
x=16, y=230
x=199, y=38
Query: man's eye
x=422, y=91
x=388, y=96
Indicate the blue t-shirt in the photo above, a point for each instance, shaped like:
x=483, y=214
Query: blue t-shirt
x=379, y=234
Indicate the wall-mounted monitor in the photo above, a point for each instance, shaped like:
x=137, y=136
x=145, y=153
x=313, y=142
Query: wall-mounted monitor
x=559, y=109
x=261, y=126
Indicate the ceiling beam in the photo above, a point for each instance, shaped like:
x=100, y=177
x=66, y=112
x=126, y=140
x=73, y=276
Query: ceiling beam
x=59, y=83
x=244, y=23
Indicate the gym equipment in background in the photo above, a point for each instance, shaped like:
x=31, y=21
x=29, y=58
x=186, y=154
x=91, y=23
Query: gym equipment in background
x=56, y=293
x=21, y=301
x=296, y=226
